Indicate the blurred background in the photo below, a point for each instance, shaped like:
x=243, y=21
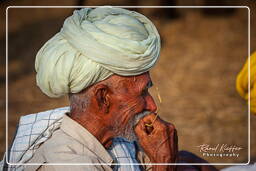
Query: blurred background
x=203, y=50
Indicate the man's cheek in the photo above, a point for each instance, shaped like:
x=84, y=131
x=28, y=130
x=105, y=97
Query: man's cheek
x=135, y=105
x=139, y=103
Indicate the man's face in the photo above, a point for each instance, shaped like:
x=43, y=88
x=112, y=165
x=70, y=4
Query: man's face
x=131, y=100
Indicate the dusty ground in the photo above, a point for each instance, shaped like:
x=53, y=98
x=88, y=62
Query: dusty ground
x=200, y=58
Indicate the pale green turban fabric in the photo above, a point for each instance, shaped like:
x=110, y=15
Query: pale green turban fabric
x=92, y=45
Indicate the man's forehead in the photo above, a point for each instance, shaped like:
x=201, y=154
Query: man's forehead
x=142, y=80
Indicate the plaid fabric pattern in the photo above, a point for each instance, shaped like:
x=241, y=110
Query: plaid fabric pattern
x=124, y=151
x=35, y=129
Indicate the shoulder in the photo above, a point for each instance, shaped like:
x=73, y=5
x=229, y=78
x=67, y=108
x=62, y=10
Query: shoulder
x=63, y=148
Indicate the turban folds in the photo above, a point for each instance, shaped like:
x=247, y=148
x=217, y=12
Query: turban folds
x=92, y=45
x=242, y=82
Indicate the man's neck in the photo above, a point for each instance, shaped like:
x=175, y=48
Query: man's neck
x=95, y=126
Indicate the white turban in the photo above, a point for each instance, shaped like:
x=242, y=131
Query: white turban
x=92, y=45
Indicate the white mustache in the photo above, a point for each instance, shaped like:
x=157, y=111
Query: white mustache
x=138, y=117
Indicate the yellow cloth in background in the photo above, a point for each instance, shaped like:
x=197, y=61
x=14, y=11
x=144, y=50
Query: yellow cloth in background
x=242, y=82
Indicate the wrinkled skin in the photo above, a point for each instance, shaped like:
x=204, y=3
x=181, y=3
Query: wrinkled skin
x=111, y=104
x=159, y=143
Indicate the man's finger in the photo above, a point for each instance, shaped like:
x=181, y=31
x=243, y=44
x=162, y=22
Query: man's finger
x=140, y=129
x=174, y=144
x=171, y=126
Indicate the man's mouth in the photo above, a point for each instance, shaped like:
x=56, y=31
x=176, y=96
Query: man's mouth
x=128, y=131
x=139, y=116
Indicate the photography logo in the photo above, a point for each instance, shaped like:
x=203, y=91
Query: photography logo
x=219, y=150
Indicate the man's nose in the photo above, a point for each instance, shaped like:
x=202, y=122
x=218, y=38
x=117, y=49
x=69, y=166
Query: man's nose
x=150, y=104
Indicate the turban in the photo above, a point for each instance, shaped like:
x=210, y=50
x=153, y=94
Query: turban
x=92, y=45
x=242, y=82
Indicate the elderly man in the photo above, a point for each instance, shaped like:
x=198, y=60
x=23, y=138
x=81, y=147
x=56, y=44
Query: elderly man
x=100, y=58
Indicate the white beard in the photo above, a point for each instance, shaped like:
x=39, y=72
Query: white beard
x=128, y=132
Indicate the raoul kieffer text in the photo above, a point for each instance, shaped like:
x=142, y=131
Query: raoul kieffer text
x=219, y=150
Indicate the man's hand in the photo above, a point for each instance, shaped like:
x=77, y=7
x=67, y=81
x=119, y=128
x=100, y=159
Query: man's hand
x=159, y=142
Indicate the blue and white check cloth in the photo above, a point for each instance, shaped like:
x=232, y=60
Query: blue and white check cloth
x=35, y=129
x=124, y=151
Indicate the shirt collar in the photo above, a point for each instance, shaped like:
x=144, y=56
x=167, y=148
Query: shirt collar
x=82, y=135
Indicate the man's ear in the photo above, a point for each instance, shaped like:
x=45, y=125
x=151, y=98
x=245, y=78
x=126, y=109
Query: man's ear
x=101, y=92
